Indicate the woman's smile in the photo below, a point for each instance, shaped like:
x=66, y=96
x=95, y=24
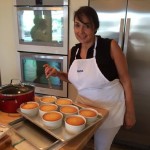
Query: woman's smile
x=83, y=31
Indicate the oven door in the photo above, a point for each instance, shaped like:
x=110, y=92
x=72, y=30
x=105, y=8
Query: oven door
x=42, y=29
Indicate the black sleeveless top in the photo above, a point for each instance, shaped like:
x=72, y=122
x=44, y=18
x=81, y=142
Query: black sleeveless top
x=103, y=58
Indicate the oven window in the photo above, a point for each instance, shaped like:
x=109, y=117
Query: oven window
x=33, y=72
x=42, y=26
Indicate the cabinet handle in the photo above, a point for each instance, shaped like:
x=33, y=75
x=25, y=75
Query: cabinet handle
x=126, y=36
x=121, y=33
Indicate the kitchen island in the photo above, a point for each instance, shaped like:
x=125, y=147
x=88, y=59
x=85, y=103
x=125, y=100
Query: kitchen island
x=76, y=143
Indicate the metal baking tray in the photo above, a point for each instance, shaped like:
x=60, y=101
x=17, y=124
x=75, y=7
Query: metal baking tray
x=59, y=133
x=33, y=134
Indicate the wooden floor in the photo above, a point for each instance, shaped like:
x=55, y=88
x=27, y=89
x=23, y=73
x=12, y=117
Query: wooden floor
x=90, y=146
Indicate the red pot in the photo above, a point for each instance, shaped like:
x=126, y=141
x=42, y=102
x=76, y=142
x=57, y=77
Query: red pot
x=13, y=95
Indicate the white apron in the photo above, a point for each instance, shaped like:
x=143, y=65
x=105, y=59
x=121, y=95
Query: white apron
x=95, y=90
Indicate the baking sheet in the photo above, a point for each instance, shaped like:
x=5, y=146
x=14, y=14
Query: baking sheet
x=59, y=133
x=33, y=134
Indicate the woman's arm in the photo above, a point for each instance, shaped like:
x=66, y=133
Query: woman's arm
x=50, y=71
x=121, y=65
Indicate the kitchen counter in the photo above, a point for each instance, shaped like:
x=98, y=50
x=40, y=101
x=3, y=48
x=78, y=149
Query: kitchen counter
x=76, y=143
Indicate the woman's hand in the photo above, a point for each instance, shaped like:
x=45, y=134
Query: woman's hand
x=50, y=71
x=129, y=120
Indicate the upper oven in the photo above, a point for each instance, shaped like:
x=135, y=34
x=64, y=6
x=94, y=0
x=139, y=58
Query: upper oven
x=42, y=26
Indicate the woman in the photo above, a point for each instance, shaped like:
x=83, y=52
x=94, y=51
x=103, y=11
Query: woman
x=98, y=70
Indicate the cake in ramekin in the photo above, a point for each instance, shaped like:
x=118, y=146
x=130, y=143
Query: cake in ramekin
x=30, y=108
x=52, y=120
x=89, y=114
x=63, y=101
x=75, y=123
x=47, y=108
x=48, y=99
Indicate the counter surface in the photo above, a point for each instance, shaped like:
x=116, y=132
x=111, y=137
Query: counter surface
x=76, y=143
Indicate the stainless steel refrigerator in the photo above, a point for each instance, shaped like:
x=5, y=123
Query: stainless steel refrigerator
x=128, y=22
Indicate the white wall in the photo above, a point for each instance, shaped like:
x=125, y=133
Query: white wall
x=74, y=5
x=8, y=54
x=8, y=57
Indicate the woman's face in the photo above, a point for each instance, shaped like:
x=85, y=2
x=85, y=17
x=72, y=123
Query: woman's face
x=85, y=31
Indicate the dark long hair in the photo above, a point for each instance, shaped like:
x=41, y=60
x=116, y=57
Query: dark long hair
x=90, y=13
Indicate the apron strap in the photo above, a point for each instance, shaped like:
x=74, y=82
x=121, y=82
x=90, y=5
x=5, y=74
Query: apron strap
x=94, y=53
x=76, y=53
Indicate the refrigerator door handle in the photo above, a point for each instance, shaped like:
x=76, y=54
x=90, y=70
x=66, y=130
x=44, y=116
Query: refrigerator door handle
x=120, y=41
x=126, y=36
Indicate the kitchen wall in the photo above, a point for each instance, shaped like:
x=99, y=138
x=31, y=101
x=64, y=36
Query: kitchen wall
x=8, y=55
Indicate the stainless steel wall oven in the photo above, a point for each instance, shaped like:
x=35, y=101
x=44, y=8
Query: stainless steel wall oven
x=42, y=37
